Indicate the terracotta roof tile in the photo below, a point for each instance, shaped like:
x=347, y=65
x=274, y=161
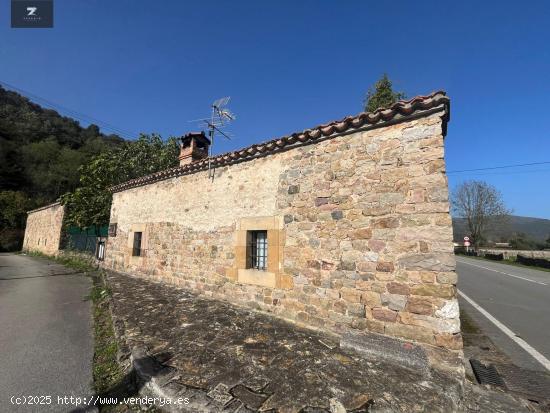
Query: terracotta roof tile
x=399, y=111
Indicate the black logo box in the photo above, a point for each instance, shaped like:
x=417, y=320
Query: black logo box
x=31, y=14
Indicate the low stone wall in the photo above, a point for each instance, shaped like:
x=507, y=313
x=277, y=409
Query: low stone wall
x=358, y=228
x=43, y=229
x=514, y=253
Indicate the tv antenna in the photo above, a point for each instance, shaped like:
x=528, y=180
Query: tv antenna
x=219, y=119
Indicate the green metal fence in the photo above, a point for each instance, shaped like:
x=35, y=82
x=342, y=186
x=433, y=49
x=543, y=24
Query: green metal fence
x=84, y=240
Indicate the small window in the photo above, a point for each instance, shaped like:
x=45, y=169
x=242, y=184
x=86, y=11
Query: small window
x=136, y=250
x=257, y=250
x=112, y=230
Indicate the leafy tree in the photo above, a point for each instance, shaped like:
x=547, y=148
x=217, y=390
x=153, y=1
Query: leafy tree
x=382, y=95
x=90, y=203
x=13, y=215
x=50, y=168
x=480, y=204
x=13, y=209
x=11, y=166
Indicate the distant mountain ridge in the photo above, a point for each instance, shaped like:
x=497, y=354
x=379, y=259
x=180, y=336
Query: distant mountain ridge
x=537, y=229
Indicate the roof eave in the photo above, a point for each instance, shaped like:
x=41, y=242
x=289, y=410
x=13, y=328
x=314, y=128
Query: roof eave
x=401, y=111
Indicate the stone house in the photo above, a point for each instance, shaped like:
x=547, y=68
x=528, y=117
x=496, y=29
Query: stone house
x=343, y=227
x=43, y=229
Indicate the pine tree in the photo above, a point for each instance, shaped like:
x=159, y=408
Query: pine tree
x=381, y=95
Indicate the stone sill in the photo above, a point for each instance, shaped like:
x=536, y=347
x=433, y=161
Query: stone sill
x=257, y=277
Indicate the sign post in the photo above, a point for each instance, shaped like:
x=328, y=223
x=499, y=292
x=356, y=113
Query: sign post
x=467, y=243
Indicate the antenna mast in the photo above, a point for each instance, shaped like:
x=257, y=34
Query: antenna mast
x=219, y=119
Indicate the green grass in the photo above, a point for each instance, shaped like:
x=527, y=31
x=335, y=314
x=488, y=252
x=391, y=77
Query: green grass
x=107, y=372
x=74, y=261
x=508, y=262
x=110, y=379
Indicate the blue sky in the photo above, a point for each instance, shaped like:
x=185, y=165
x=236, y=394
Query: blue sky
x=151, y=66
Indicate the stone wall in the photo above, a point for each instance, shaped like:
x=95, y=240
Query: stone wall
x=364, y=233
x=43, y=230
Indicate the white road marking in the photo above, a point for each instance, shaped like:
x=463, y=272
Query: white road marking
x=518, y=340
x=502, y=272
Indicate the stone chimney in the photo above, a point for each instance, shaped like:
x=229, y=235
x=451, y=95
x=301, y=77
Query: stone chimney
x=194, y=147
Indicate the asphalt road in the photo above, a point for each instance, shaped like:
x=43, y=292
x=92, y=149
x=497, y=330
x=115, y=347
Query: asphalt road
x=46, y=344
x=519, y=298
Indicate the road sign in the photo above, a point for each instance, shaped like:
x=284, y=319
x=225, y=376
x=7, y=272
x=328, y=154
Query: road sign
x=466, y=243
x=466, y=238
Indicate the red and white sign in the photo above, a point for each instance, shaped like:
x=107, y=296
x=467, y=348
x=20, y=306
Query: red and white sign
x=466, y=243
x=466, y=239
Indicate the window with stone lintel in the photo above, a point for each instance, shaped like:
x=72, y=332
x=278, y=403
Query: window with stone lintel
x=259, y=246
x=256, y=250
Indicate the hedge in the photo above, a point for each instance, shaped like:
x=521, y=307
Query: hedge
x=537, y=262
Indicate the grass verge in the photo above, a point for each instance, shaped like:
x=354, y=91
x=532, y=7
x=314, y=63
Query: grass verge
x=76, y=262
x=107, y=372
x=111, y=380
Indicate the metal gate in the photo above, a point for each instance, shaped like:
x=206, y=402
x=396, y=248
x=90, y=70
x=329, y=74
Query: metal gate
x=86, y=240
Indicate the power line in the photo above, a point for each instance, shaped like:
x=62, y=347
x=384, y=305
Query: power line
x=499, y=167
x=78, y=115
x=510, y=172
x=71, y=112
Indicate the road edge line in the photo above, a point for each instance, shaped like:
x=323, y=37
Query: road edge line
x=502, y=272
x=518, y=340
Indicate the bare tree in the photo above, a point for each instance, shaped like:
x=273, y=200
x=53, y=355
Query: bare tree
x=481, y=205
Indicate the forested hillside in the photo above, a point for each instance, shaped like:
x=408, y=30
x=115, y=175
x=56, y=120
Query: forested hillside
x=40, y=153
x=532, y=233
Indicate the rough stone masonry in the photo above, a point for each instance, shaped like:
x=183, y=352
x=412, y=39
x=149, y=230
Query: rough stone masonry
x=43, y=229
x=356, y=224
